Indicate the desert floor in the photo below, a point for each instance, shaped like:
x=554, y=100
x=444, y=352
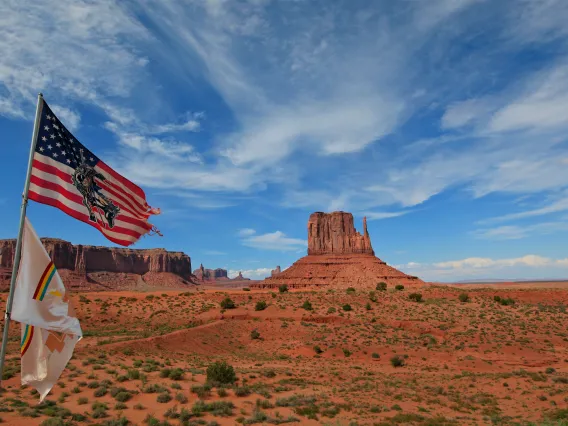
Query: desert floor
x=144, y=359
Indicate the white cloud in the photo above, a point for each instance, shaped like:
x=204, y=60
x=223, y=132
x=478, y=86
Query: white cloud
x=274, y=241
x=558, y=205
x=529, y=266
x=246, y=232
x=514, y=232
x=68, y=117
x=253, y=274
x=383, y=215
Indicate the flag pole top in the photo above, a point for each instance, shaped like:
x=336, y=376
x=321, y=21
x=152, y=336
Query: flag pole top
x=40, y=95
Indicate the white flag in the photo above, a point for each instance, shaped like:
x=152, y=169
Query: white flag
x=50, y=328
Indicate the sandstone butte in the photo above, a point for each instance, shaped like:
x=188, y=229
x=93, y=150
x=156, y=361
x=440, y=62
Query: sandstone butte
x=105, y=268
x=338, y=257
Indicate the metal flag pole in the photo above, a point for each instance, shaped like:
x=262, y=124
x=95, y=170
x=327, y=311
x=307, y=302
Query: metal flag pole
x=18, y=252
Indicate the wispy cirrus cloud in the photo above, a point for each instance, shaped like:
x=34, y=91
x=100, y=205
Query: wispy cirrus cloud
x=276, y=240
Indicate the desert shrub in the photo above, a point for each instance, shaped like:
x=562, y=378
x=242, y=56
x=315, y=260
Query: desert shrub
x=307, y=305
x=165, y=372
x=202, y=391
x=181, y=398
x=399, y=287
x=373, y=296
x=497, y=299
x=382, y=286
x=246, y=289
x=463, y=297
x=351, y=290
x=368, y=306
x=507, y=301
x=331, y=310
x=417, y=297
x=260, y=305
x=549, y=370
x=164, y=397
x=221, y=372
x=254, y=334
x=242, y=391
x=227, y=303
x=123, y=396
x=102, y=391
x=283, y=288
x=82, y=401
x=347, y=307
x=317, y=350
x=346, y=352
x=139, y=407
x=120, y=406
x=375, y=355
x=222, y=392
x=397, y=361
x=176, y=374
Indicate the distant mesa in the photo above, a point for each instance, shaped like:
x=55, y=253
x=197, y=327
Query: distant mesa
x=338, y=257
x=107, y=268
x=203, y=274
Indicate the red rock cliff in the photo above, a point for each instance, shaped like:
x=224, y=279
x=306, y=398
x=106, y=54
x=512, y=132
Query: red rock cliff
x=83, y=259
x=334, y=233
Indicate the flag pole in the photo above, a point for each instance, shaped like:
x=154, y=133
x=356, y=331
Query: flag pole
x=18, y=252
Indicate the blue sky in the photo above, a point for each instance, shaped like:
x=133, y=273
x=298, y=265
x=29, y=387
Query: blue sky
x=445, y=122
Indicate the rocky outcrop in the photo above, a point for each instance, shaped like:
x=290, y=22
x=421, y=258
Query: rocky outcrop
x=334, y=233
x=276, y=271
x=339, y=257
x=210, y=274
x=240, y=278
x=81, y=263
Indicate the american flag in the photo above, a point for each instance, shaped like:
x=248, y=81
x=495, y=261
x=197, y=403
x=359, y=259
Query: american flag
x=68, y=176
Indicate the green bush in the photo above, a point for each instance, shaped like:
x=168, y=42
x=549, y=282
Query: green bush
x=375, y=355
x=242, y=391
x=260, y=305
x=221, y=372
x=382, y=286
x=307, y=305
x=164, y=397
x=368, y=306
x=317, y=350
x=399, y=287
x=331, y=310
x=373, y=296
x=347, y=307
x=246, y=289
x=351, y=290
x=463, y=297
x=417, y=297
x=397, y=361
x=282, y=288
x=176, y=374
x=227, y=303
x=497, y=299
x=255, y=334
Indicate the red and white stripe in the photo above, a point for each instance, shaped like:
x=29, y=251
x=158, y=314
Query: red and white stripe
x=51, y=183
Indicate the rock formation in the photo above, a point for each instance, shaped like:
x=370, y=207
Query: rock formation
x=334, y=233
x=103, y=267
x=276, y=271
x=210, y=274
x=338, y=256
